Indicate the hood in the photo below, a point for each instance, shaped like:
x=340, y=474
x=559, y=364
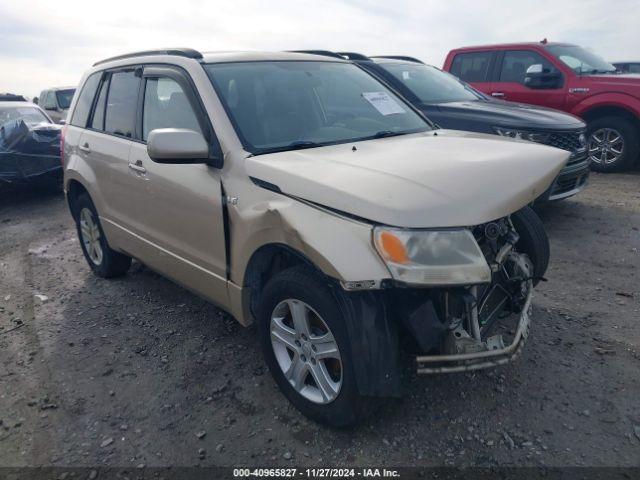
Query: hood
x=625, y=83
x=501, y=113
x=436, y=179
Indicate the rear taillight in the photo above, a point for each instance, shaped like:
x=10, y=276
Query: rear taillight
x=64, y=130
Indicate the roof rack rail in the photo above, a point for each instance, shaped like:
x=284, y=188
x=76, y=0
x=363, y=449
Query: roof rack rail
x=353, y=56
x=399, y=57
x=180, y=52
x=324, y=53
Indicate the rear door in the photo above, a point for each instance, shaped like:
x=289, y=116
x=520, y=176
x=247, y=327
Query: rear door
x=475, y=68
x=178, y=206
x=509, y=84
x=105, y=145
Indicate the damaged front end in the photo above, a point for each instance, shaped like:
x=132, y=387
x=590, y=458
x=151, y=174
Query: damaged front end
x=463, y=328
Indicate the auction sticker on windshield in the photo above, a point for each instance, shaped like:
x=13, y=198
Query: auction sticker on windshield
x=383, y=103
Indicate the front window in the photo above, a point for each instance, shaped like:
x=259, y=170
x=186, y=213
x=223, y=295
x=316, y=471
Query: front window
x=64, y=97
x=278, y=105
x=429, y=84
x=28, y=114
x=580, y=60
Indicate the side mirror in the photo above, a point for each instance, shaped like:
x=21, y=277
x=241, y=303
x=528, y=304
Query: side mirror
x=538, y=77
x=177, y=145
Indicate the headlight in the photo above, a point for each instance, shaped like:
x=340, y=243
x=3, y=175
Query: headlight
x=522, y=134
x=428, y=257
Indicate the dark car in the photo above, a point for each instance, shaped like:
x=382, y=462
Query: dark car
x=29, y=145
x=453, y=104
x=627, y=67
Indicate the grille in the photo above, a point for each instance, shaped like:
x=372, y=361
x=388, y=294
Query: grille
x=569, y=141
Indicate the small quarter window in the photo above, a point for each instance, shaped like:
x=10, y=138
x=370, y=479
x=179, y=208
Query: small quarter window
x=83, y=105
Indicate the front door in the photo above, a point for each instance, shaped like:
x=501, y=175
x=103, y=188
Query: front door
x=510, y=85
x=180, y=208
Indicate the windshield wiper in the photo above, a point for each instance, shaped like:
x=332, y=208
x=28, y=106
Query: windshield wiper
x=386, y=133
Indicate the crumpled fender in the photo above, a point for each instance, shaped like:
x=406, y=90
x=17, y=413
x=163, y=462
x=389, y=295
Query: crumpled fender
x=339, y=247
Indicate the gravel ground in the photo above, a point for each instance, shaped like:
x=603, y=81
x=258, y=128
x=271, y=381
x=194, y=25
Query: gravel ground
x=138, y=371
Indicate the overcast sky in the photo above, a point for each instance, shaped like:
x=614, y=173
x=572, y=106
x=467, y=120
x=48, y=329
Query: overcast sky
x=50, y=43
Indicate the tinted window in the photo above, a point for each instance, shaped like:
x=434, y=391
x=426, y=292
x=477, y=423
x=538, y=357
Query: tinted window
x=64, y=97
x=634, y=68
x=284, y=105
x=83, y=105
x=516, y=63
x=121, y=104
x=49, y=100
x=429, y=84
x=166, y=106
x=97, y=122
x=472, y=67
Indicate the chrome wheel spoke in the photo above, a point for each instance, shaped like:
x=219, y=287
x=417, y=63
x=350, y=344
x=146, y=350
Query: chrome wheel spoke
x=297, y=373
x=300, y=316
x=283, y=334
x=325, y=347
x=328, y=388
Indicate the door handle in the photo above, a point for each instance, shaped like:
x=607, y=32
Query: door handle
x=85, y=148
x=497, y=94
x=137, y=167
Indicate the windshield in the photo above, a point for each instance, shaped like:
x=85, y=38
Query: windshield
x=278, y=106
x=581, y=60
x=64, y=97
x=28, y=114
x=429, y=84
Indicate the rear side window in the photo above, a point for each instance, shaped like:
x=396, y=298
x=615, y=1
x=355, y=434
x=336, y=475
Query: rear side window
x=516, y=63
x=472, y=67
x=97, y=122
x=166, y=105
x=122, y=99
x=83, y=105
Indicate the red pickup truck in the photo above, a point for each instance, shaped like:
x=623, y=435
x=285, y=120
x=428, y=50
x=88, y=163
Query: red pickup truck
x=565, y=77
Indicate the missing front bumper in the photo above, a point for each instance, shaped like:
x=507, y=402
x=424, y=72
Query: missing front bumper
x=430, y=364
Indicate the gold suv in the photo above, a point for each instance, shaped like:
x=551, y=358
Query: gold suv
x=299, y=193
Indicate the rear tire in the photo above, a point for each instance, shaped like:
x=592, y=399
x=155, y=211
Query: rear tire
x=104, y=261
x=300, y=287
x=533, y=240
x=602, y=144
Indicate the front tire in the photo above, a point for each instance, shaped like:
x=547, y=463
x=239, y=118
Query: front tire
x=306, y=347
x=533, y=240
x=104, y=261
x=613, y=144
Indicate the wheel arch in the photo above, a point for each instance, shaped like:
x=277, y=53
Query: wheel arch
x=74, y=189
x=267, y=261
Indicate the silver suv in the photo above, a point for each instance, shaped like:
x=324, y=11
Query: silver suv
x=56, y=102
x=300, y=194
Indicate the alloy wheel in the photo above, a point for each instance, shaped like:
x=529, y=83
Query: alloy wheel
x=306, y=351
x=90, y=233
x=606, y=146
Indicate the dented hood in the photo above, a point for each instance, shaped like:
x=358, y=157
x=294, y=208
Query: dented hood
x=435, y=179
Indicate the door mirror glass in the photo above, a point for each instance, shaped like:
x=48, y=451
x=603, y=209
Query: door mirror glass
x=177, y=145
x=538, y=77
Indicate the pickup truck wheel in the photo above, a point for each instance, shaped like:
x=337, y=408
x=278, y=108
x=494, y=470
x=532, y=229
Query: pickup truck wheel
x=533, y=240
x=613, y=144
x=305, y=344
x=104, y=261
